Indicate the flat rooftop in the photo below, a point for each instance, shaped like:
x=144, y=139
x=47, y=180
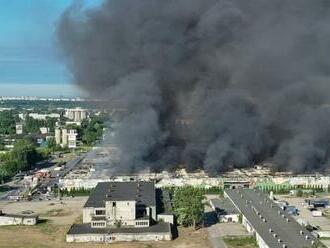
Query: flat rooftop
x=87, y=229
x=24, y=214
x=264, y=215
x=141, y=192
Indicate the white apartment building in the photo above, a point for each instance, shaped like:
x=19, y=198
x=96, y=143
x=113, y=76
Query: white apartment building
x=76, y=114
x=66, y=137
x=39, y=116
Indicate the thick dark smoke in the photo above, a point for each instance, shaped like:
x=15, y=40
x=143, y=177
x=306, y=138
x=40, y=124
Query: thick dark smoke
x=209, y=83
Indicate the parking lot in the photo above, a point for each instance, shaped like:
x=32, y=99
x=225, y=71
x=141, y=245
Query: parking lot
x=305, y=216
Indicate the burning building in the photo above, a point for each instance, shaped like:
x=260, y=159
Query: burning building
x=250, y=76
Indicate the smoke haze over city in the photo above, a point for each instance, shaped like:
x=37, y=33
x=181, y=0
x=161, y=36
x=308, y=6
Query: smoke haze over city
x=208, y=83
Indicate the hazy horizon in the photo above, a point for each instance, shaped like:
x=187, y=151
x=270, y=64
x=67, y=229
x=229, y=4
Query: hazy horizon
x=39, y=90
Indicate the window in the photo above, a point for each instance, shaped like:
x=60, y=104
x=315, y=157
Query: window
x=142, y=223
x=98, y=224
x=99, y=212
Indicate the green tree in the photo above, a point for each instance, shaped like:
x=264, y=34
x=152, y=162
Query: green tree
x=25, y=154
x=188, y=205
x=8, y=122
x=51, y=143
x=92, y=130
x=33, y=126
x=23, y=157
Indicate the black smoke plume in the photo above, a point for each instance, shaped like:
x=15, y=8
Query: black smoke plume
x=208, y=83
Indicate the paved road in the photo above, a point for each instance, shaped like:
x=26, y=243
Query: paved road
x=215, y=237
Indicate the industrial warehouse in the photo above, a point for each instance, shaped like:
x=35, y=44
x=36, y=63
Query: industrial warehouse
x=121, y=211
x=272, y=227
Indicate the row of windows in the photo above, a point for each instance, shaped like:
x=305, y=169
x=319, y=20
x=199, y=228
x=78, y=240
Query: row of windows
x=144, y=223
x=98, y=224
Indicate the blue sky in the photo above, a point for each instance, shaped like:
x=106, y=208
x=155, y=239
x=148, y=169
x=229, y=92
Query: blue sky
x=29, y=57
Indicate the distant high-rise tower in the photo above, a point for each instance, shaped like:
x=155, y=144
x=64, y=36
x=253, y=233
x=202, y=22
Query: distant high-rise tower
x=58, y=136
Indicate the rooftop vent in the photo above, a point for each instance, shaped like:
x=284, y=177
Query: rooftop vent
x=301, y=232
x=307, y=237
x=274, y=235
x=270, y=230
x=279, y=241
x=284, y=246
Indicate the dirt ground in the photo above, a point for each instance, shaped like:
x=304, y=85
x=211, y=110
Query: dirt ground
x=63, y=212
x=56, y=220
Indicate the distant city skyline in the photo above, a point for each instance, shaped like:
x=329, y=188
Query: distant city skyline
x=40, y=90
x=30, y=62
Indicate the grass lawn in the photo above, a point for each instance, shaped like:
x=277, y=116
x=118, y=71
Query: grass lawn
x=241, y=242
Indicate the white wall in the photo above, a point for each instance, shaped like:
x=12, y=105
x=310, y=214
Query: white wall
x=123, y=210
x=87, y=214
x=115, y=237
x=225, y=218
x=261, y=242
x=169, y=218
x=7, y=220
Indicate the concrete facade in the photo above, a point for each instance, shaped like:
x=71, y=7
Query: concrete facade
x=66, y=137
x=169, y=218
x=121, y=211
x=121, y=204
x=81, y=233
x=117, y=237
x=25, y=218
x=77, y=114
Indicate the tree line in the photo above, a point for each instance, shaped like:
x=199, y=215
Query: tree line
x=23, y=157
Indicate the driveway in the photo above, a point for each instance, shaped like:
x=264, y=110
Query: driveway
x=215, y=237
x=211, y=221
